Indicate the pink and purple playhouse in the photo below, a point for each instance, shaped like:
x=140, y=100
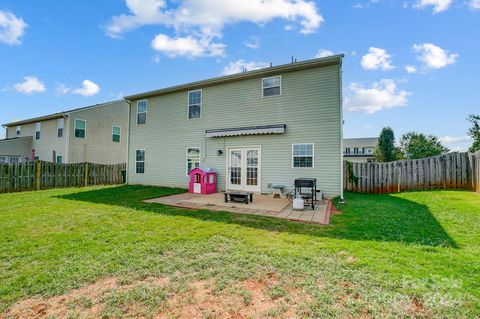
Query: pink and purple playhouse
x=203, y=180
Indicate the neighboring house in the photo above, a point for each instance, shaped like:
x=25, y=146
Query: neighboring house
x=254, y=129
x=96, y=134
x=359, y=150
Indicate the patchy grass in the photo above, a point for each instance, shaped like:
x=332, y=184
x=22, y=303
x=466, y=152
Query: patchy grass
x=404, y=255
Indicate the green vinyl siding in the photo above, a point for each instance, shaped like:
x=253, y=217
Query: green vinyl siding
x=310, y=106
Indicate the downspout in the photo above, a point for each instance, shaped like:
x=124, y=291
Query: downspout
x=128, y=140
x=340, y=73
x=66, y=131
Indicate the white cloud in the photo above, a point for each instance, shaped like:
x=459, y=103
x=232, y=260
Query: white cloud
x=30, y=85
x=88, y=88
x=187, y=46
x=11, y=28
x=438, y=5
x=380, y=95
x=202, y=21
x=434, y=57
x=322, y=53
x=474, y=4
x=455, y=139
x=457, y=143
x=377, y=58
x=241, y=65
x=410, y=69
x=253, y=43
x=368, y=126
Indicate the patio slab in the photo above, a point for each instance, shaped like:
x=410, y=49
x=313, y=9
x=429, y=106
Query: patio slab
x=262, y=205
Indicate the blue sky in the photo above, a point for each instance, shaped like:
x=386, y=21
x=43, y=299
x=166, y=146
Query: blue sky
x=58, y=55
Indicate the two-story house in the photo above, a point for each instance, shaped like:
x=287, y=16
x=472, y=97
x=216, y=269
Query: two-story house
x=360, y=150
x=96, y=134
x=254, y=129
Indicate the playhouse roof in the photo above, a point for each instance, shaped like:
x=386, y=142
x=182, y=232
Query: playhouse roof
x=203, y=169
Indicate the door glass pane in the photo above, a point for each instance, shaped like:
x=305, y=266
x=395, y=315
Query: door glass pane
x=236, y=167
x=252, y=167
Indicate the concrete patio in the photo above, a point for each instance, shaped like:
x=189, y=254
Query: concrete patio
x=262, y=205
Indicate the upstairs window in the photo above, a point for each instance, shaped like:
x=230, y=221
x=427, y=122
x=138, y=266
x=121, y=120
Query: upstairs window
x=80, y=128
x=142, y=107
x=59, y=159
x=193, y=158
x=302, y=155
x=19, y=130
x=116, y=134
x=38, y=128
x=140, y=161
x=60, y=125
x=194, y=104
x=272, y=86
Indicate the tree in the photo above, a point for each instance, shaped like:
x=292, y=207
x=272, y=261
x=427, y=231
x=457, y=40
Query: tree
x=474, y=132
x=386, y=150
x=417, y=145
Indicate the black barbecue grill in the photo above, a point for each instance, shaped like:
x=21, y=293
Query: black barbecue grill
x=307, y=183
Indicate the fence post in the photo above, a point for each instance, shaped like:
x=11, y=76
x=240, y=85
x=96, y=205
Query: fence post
x=85, y=172
x=37, y=175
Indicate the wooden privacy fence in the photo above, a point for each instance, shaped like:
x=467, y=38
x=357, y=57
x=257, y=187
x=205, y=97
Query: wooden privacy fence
x=449, y=171
x=43, y=175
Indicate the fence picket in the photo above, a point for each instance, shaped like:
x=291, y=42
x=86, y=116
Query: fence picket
x=449, y=171
x=44, y=175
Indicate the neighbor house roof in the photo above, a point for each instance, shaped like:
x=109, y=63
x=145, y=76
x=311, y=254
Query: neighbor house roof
x=273, y=70
x=360, y=142
x=57, y=115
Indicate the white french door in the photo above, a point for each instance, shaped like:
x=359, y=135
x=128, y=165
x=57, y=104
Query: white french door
x=243, y=169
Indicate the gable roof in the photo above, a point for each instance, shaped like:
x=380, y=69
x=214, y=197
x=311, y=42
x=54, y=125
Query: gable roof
x=360, y=142
x=268, y=71
x=58, y=114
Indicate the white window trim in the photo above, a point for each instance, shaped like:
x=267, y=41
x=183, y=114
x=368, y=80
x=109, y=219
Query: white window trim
x=75, y=128
x=188, y=104
x=313, y=155
x=38, y=128
x=18, y=130
x=186, y=157
x=120, y=134
x=263, y=88
x=146, y=112
x=144, y=161
x=63, y=127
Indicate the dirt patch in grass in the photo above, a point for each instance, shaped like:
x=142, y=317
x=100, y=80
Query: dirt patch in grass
x=164, y=298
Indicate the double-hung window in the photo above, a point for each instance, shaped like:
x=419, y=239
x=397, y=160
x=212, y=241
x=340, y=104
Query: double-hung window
x=194, y=104
x=193, y=158
x=116, y=134
x=140, y=161
x=60, y=126
x=38, y=128
x=2, y=159
x=59, y=159
x=80, y=128
x=272, y=86
x=142, y=107
x=302, y=155
x=19, y=129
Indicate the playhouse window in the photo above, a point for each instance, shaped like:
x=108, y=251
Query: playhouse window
x=193, y=158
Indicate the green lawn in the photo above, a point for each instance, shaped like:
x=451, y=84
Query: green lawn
x=413, y=254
